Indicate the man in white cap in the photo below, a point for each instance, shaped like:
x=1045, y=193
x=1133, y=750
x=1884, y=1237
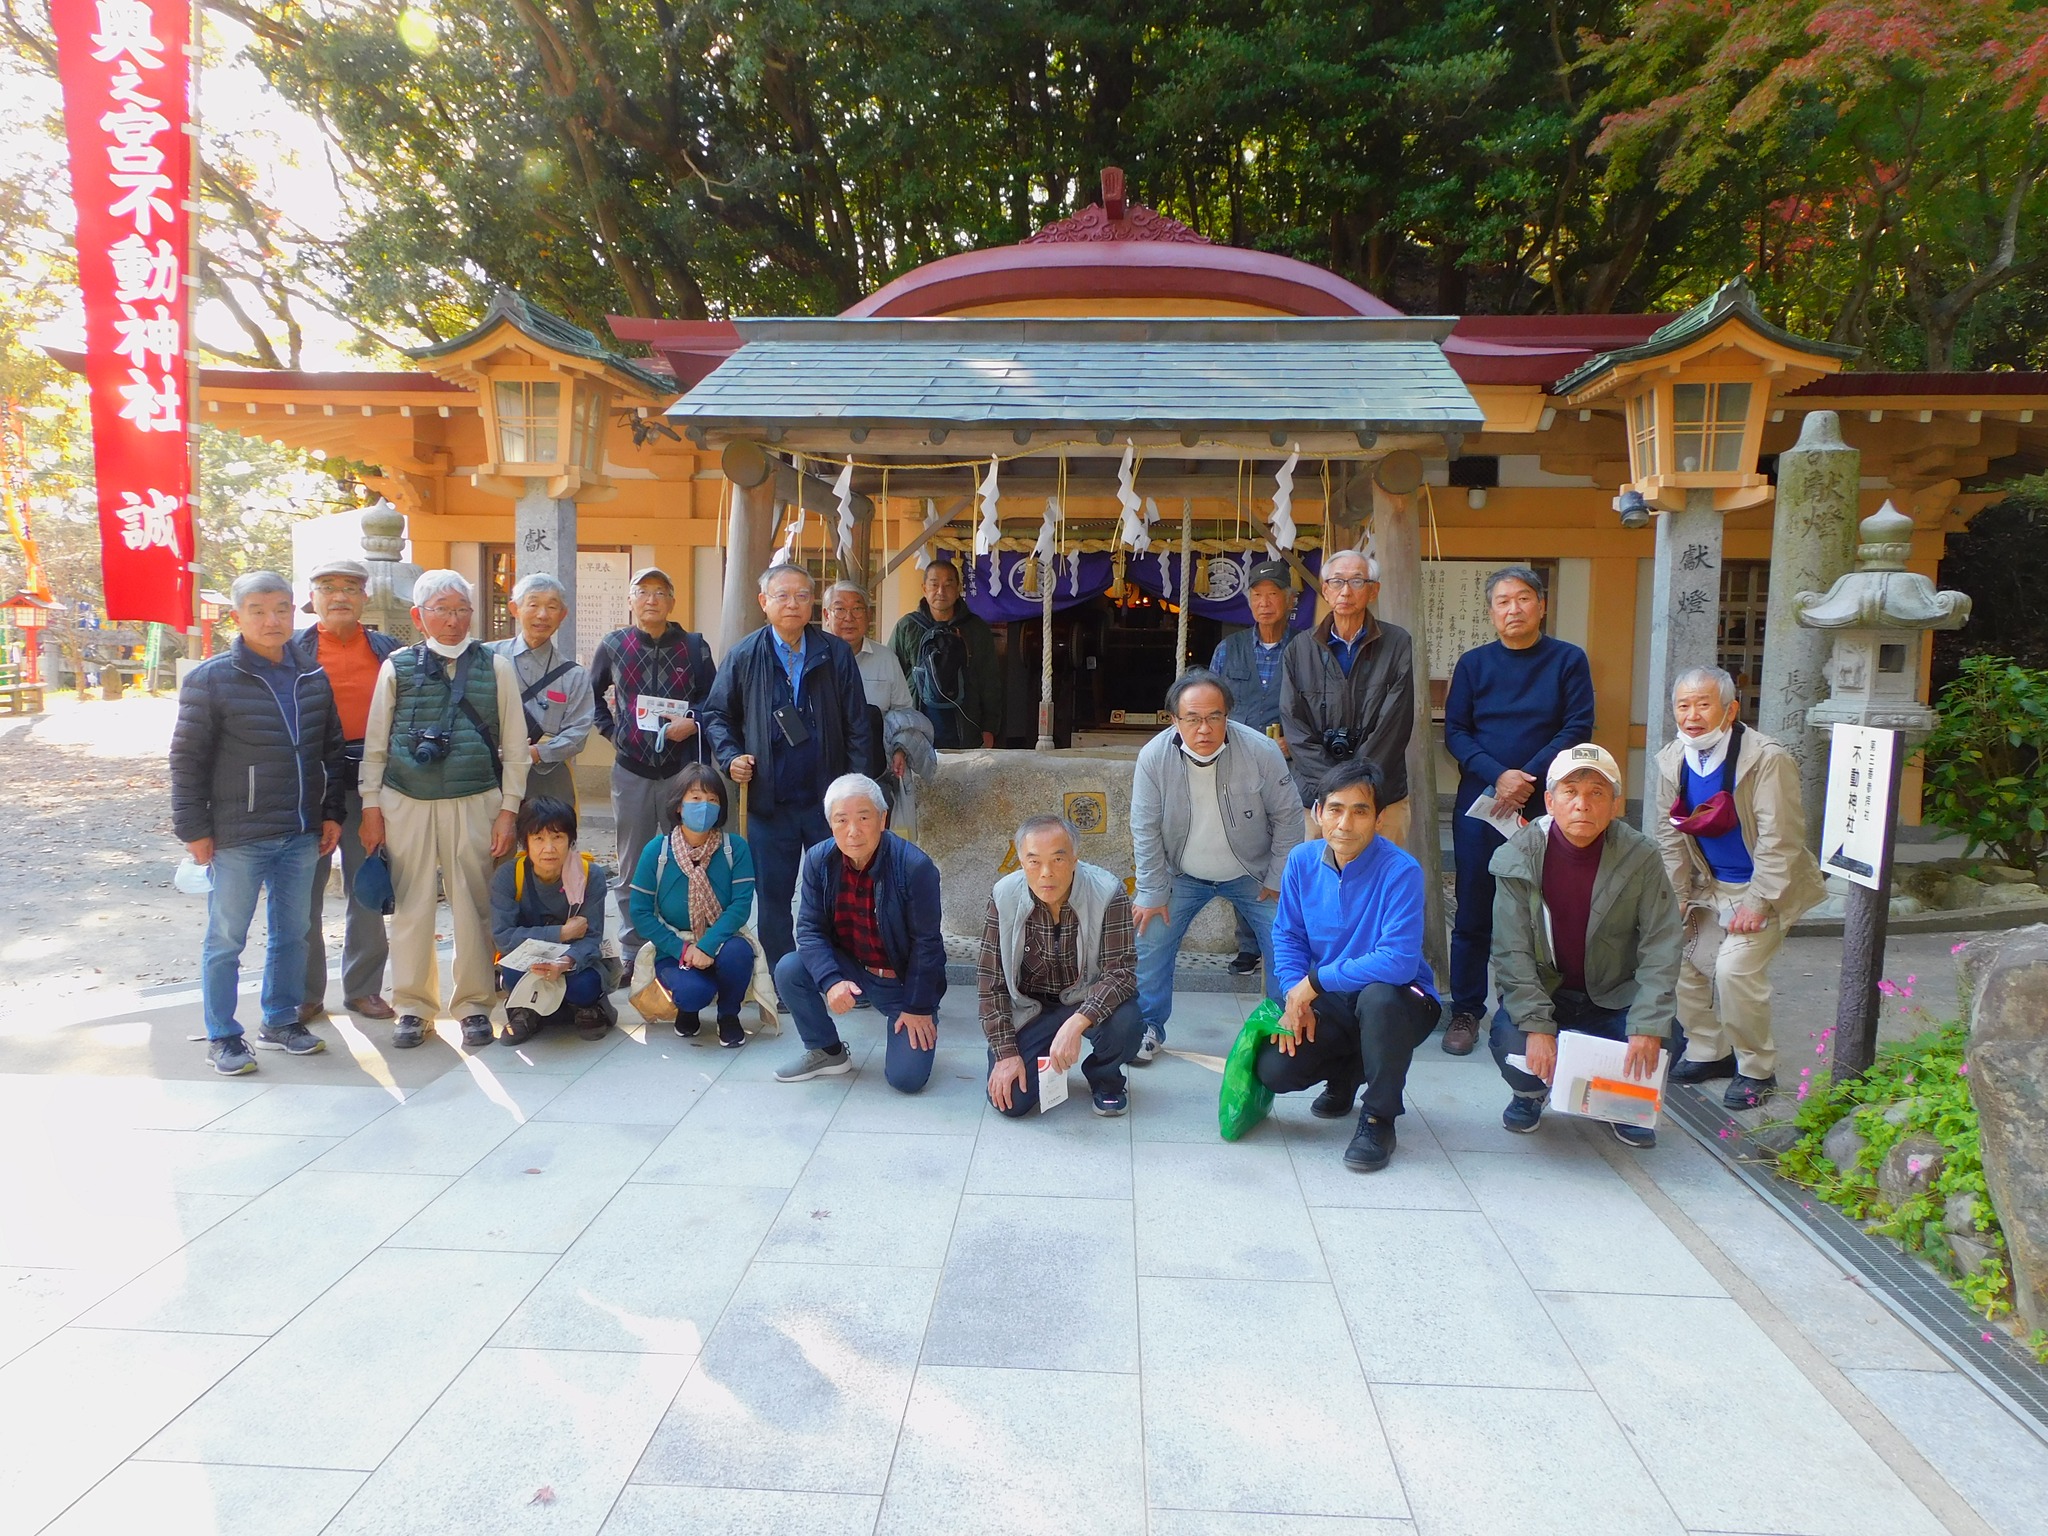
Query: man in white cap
x=351, y=655
x=1585, y=936
x=648, y=683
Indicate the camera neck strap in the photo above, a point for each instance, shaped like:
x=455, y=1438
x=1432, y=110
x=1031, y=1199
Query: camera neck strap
x=455, y=676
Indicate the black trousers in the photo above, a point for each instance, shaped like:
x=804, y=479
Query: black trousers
x=1366, y=1037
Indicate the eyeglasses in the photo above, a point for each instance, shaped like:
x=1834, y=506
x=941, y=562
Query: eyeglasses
x=1348, y=583
x=339, y=588
x=443, y=611
x=1212, y=722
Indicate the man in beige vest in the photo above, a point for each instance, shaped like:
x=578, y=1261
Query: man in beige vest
x=1731, y=831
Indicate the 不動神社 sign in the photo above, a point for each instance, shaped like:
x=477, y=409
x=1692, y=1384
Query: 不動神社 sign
x=1859, y=805
x=127, y=114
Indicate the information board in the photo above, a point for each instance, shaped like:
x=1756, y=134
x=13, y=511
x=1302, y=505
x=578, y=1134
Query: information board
x=1454, y=613
x=603, y=586
x=1859, y=803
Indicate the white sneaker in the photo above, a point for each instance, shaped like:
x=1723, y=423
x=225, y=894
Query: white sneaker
x=1147, y=1047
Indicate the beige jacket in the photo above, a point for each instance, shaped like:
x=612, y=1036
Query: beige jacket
x=1787, y=880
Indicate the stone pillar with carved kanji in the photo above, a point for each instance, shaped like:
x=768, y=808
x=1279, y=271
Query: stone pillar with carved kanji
x=544, y=541
x=1685, y=614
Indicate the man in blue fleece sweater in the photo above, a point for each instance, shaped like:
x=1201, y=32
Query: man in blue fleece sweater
x=1347, y=956
x=1513, y=705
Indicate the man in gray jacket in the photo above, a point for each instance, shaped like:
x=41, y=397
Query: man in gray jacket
x=1585, y=936
x=1213, y=816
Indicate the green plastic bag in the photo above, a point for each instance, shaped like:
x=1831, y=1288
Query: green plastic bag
x=1245, y=1101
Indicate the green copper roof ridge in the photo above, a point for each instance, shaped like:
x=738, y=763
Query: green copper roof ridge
x=513, y=308
x=1734, y=299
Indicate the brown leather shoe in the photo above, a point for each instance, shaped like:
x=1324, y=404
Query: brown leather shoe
x=372, y=1007
x=1461, y=1034
x=308, y=1012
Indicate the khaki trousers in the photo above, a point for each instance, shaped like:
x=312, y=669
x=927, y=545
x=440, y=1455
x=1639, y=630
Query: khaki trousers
x=1724, y=986
x=1393, y=824
x=452, y=839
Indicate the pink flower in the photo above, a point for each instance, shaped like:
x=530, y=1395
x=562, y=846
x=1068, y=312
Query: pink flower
x=1963, y=1069
x=1984, y=1336
x=1914, y=1165
x=1804, y=1090
x=1956, y=949
x=1887, y=989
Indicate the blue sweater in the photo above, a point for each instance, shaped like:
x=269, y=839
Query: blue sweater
x=1352, y=927
x=1727, y=855
x=1516, y=709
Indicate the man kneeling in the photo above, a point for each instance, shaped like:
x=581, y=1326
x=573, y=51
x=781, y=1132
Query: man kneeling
x=1059, y=962
x=867, y=929
x=554, y=892
x=1347, y=948
x=1586, y=936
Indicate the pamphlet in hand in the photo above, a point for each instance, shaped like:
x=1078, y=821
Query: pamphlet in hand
x=1052, y=1086
x=1589, y=1081
x=653, y=713
x=532, y=952
x=1489, y=810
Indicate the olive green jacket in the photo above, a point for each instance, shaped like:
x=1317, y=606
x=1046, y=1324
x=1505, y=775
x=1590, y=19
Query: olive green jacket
x=1633, y=936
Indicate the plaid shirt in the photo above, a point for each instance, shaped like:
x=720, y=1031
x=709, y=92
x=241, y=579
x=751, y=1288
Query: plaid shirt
x=630, y=662
x=1051, y=963
x=855, y=933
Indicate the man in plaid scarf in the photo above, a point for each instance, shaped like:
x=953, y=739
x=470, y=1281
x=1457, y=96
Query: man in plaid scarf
x=649, y=680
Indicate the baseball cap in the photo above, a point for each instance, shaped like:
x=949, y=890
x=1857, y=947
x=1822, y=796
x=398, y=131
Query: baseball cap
x=1585, y=755
x=652, y=573
x=1275, y=571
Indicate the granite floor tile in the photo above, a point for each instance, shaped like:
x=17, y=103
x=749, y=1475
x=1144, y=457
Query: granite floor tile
x=132, y=1226
x=649, y=1511
x=362, y=1363
x=874, y=1199
x=1211, y=1522
x=1433, y=1298
x=36, y=1302
x=1068, y=1150
x=652, y=1084
x=1483, y=1461
x=1980, y=1449
x=446, y=1127
x=1174, y=1099
x=1421, y=1176
x=801, y=1386
x=189, y=1499
x=747, y=1133
x=308, y=1109
x=254, y=1271
x=1008, y=1446
x=950, y=1104
x=652, y=1272
x=1804, y=1467
x=119, y=1103
x=1233, y=1421
x=1230, y=1211
x=516, y=1422
x=76, y=1405
x=1015, y=1273
x=173, y=1162
x=536, y=1191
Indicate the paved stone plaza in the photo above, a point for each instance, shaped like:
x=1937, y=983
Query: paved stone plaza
x=634, y=1286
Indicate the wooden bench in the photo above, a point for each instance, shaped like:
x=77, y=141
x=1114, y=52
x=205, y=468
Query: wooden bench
x=21, y=698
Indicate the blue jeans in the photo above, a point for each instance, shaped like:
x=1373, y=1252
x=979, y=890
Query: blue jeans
x=282, y=866
x=1573, y=1011
x=1474, y=844
x=1114, y=1043
x=580, y=989
x=1160, y=942
x=906, y=1067
x=731, y=973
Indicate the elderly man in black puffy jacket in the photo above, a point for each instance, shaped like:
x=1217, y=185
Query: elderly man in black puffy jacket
x=257, y=789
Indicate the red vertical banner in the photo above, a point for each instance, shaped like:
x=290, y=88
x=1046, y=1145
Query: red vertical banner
x=128, y=118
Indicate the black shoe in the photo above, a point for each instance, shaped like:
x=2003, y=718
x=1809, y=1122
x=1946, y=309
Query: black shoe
x=595, y=1021
x=731, y=1034
x=293, y=1039
x=1641, y=1137
x=476, y=1031
x=1244, y=963
x=409, y=1031
x=1372, y=1148
x=1334, y=1102
x=1461, y=1034
x=521, y=1025
x=1701, y=1071
x=1522, y=1116
x=230, y=1056
x=687, y=1025
x=1748, y=1092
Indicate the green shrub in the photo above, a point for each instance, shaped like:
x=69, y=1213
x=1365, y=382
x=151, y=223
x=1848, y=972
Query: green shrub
x=1987, y=762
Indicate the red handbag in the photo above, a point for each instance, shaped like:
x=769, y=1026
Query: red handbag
x=1717, y=816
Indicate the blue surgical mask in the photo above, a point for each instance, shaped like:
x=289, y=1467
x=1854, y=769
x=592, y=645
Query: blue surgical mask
x=700, y=815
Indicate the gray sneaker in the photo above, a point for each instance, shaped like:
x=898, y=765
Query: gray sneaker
x=816, y=1064
x=295, y=1039
x=1147, y=1048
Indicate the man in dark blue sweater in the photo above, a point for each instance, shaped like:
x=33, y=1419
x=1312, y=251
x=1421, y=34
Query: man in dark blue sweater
x=1513, y=706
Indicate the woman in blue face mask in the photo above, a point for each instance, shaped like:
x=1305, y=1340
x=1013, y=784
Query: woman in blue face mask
x=692, y=894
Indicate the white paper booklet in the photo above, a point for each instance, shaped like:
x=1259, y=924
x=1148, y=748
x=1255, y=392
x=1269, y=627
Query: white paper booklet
x=1507, y=823
x=1052, y=1086
x=1589, y=1081
x=532, y=952
x=653, y=713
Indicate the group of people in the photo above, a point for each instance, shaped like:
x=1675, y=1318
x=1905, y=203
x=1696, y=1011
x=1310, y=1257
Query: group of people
x=1279, y=786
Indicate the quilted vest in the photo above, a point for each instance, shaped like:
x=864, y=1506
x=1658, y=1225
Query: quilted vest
x=422, y=704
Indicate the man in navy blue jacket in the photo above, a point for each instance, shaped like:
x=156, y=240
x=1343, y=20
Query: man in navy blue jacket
x=868, y=931
x=1514, y=705
x=786, y=716
x=257, y=793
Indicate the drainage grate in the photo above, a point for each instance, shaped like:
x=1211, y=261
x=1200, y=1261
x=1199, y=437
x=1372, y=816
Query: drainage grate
x=1906, y=1287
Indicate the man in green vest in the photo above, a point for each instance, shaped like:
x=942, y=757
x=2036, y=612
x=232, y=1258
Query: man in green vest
x=440, y=794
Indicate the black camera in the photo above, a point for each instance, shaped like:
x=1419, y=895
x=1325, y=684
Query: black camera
x=1338, y=743
x=431, y=745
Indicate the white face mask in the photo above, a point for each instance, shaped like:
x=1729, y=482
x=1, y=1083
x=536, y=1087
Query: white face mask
x=1202, y=762
x=441, y=648
x=1703, y=745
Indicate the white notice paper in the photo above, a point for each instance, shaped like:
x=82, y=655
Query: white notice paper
x=532, y=952
x=1589, y=1081
x=1859, y=807
x=1052, y=1086
x=1507, y=823
x=653, y=714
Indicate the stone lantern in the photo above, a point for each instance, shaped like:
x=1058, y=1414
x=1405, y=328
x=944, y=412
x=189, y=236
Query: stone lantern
x=389, y=609
x=1879, y=615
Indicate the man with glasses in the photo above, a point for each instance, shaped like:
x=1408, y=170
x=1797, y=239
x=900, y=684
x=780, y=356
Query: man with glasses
x=1348, y=691
x=846, y=615
x=648, y=683
x=1213, y=817
x=787, y=716
x=554, y=692
x=1249, y=662
x=351, y=656
x=440, y=788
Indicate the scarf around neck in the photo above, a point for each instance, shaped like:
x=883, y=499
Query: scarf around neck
x=705, y=907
